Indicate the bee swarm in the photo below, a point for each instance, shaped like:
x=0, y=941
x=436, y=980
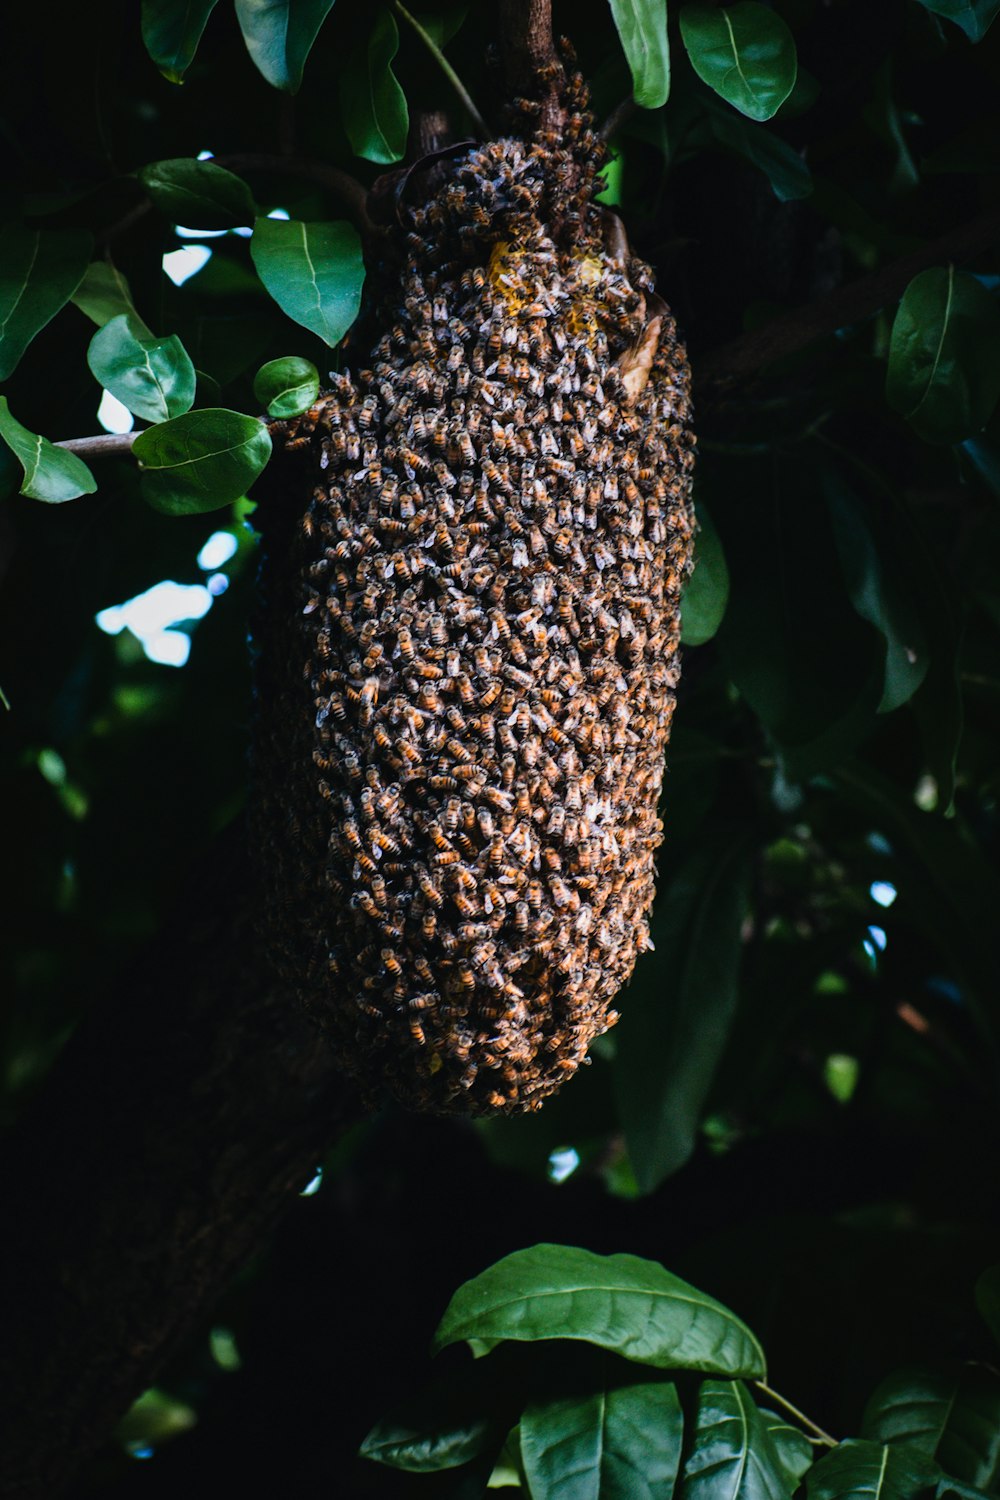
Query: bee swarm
x=468, y=643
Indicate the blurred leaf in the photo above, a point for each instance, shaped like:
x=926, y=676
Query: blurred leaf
x=372, y=104
x=171, y=31
x=744, y=52
x=943, y=375
x=50, y=473
x=633, y=1307
x=104, y=293
x=877, y=597
x=313, y=271
x=154, y=378
x=201, y=461
x=792, y=1449
x=679, y=1009
x=40, y=269
x=783, y=167
x=154, y=1419
x=287, y=386
x=951, y=1416
x=858, y=1468
x=445, y=1426
x=731, y=1454
x=279, y=35
x=198, y=193
x=707, y=590
x=642, y=30
x=974, y=16
x=618, y=1442
x=988, y=1300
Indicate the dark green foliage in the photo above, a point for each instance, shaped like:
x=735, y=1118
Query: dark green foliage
x=798, y=1109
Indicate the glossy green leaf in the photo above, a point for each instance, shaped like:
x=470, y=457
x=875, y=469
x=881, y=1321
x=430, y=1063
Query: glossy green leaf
x=171, y=31
x=618, y=1442
x=707, y=590
x=988, y=1300
x=944, y=375
x=633, y=1307
x=372, y=104
x=731, y=1453
x=198, y=193
x=783, y=167
x=876, y=595
x=153, y=377
x=201, y=461
x=443, y=1427
x=104, y=293
x=287, y=386
x=313, y=271
x=681, y=1004
x=40, y=269
x=951, y=1416
x=50, y=473
x=279, y=35
x=869, y=1470
x=744, y=52
x=642, y=30
x=792, y=1449
x=974, y=16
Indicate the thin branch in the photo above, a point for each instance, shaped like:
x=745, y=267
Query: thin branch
x=352, y=193
x=468, y=102
x=800, y=1416
x=744, y=358
x=104, y=446
x=621, y=113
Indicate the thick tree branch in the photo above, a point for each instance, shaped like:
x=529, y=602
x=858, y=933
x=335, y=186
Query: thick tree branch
x=531, y=63
x=744, y=358
x=179, y=1124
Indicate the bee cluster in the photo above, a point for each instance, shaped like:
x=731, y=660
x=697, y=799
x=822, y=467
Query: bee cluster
x=469, y=642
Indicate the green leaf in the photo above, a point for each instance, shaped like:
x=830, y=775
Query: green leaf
x=201, y=461
x=681, y=1005
x=104, y=293
x=153, y=377
x=50, y=473
x=784, y=169
x=313, y=271
x=633, y=1307
x=732, y=1454
x=974, y=16
x=988, y=1300
x=171, y=31
x=869, y=1470
x=287, y=386
x=791, y=1447
x=198, y=193
x=707, y=590
x=744, y=52
x=279, y=35
x=40, y=269
x=642, y=30
x=951, y=1416
x=943, y=375
x=618, y=1442
x=372, y=104
x=443, y=1427
x=876, y=595
x=444, y=25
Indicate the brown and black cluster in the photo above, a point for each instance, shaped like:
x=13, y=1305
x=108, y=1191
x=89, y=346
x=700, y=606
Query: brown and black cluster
x=468, y=649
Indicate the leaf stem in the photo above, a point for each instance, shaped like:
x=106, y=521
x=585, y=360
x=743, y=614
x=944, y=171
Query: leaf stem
x=446, y=68
x=104, y=446
x=800, y=1416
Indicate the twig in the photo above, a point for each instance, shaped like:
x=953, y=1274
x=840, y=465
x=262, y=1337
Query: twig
x=617, y=118
x=446, y=68
x=352, y=193
x=800, y=1416
x=105, y=446
x=743, y=358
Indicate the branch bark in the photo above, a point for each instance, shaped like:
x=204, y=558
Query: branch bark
x=744, y=358
x=104, y=445
x=180, y=1123
x=531, y=63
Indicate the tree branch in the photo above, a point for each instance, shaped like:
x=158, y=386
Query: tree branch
x=744, y=358
x=531, y=63
x=177, y=1127
x=105, y=445
x=352, y=193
